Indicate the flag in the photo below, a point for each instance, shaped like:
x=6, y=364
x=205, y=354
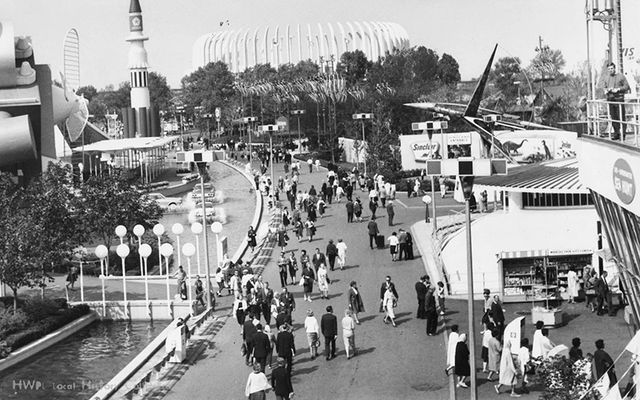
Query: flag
x=602, y=385
x=613, y=394
x=634, y=344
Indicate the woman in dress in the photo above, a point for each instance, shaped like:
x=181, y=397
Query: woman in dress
x=257, y=384
x=299, y=229
x=355, y=301
x=357, y=209
x=307, y=282
x=508, y=370
x=311, y=229
x=240, y=308
x=312, y=329
x=349, y=334
x=282, y=236
x=311, y=213
x=389, y=302
x=293, y=268
x=251, y=238
x=572, y=285
x=323, y=281
x=494, y=348
x=342, y=253
x=462, y=368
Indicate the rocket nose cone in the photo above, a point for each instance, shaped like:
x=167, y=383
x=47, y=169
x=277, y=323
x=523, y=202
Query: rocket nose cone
x=134, y=7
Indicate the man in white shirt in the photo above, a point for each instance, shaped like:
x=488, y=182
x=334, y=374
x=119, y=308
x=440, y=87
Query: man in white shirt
x=310, y=164
x=342, y=253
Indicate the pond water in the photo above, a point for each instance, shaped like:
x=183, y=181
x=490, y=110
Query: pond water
x=80, y=365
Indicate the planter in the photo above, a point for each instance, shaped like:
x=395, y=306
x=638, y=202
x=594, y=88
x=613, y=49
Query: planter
x=551, y=318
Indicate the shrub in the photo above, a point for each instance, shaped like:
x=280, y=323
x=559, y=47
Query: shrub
x=25, y=337
x=39, y=309
x=11, y=322
x=4, y=349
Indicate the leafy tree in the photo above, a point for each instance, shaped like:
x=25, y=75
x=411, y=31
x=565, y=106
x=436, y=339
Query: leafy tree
x=547, y=64
x=505, y=72
x=89, y=92
x=209, y=87
x=353, y=66
x=448, y=70
x=159, y=91
x=108, y=201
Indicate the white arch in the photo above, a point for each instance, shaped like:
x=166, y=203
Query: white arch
x=352, y=32
x=255, y=46
x=321, y=41
x=288, y=32
x=334, y=42
x=382, y=39
x=395, y=43
x=343, y=41
x=236, y=53
x=266, y=45
x=245, y=47
x=375, y=53
x=360, y=32
x=299, y=44
x=310, y=41
x=275, y=46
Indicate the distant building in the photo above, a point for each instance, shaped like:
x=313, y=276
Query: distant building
x=322, y=43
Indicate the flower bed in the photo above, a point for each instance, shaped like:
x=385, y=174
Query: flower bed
x=33, y=320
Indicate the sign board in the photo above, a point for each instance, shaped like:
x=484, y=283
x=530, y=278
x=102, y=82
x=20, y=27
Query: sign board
x=458, y=138
x=269, y=128
x=430, y=126
x=196, y=156
x=282, y=121
x=217, y=112
x=362, y=116
x=623, y=181
x=467, y=167
x=415, y=149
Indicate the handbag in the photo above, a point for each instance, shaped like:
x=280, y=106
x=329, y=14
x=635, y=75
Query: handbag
x=243, y=349
x=316, y=344
x=301, y=283
x=381, y=307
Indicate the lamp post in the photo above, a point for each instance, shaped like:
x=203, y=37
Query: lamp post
x=167, y=250
x=138, y=230
x=121, y=232
x=102, y=252
x=178, y=230
x=427, y=200
x=269, y=129
x=145, y=252
x=196, y=228
x=298, y=113
x=216, y=228
x=362, y=117
x=158, y=230
x=248, y=121
x=188, y=250
x=123, y=251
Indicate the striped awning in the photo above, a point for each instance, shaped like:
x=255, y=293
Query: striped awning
x=541, y=253
x=557, y=176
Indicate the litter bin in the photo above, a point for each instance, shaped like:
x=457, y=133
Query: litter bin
x=177, y=338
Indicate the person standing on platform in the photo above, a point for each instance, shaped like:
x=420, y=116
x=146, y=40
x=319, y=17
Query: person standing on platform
x=329, y=328
x=431, y=312
x=372, y=228
x=421, y=293
x=615, y=86
x=251, y=238
x=281, y=381
x=390, y=212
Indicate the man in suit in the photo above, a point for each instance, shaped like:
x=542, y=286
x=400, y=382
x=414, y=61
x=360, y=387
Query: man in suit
x=287, y=300
x=390, y=212
x=317, y=259
x=602, y=292
x=349, y=207
x=261, y=347
x=285, y=346
x=421, y=292
x=372, y=227
x=431, y=312
x=248, y=330
x=383, y=288
x=281, y=381
x=329, y=328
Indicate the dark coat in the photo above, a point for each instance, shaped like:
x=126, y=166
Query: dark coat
x=349, y=206
x=383, y=289
x=329, y=325
x=421, y=290
x=332, y=250
x=602, y=288
x=261, y=345
x=497, y=314
x=373, y=228
x=603, y=361
x=462, y=367
x=285, y=345
x=281, y=382
x=249, y=329
x=318, y=259
x=355, y=301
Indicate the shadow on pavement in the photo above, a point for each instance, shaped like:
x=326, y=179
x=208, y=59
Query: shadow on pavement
x=304, y=371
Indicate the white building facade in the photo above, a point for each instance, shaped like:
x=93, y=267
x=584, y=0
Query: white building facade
x=276, y=45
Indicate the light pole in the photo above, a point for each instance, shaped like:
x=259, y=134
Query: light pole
x=216, y=228
x=188, y=250
x=167, y=250
x=177, y=230
x=430, y=127
x=362, y=117
x=102, y=252
x=269, y=129
x=145, y=252
x=121, y=232
x=427, y=200
x=123, y=251
x=298, y=113
x=196, y=229
x=248, y=122
x=217, y=113
x=158, y=230
x=138, y=230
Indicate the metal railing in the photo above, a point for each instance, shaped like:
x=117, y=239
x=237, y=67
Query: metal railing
x=600, y=123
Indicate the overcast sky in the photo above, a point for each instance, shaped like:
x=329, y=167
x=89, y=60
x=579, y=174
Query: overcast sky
x=466, y=29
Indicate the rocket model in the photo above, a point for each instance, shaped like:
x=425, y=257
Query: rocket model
x=140, y=119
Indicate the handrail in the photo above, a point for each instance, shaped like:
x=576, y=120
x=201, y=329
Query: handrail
x=600, y=123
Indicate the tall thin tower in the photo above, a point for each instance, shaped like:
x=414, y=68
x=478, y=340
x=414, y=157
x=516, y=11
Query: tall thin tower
x=137, y=58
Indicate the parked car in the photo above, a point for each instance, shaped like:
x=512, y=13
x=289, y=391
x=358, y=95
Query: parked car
x=195, y=215
x=166, y=203
x=190, y=178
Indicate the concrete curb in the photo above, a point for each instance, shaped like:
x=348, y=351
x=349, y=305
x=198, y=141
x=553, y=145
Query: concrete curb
x=422, y=230
x=47, y=341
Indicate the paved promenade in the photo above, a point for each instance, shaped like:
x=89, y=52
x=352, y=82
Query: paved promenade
x=392, y=363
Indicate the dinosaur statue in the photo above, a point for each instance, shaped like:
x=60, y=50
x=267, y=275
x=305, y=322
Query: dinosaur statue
x=512, y=147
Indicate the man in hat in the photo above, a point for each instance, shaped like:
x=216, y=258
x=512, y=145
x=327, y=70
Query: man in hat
x=421, y=292
x=281, y=381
